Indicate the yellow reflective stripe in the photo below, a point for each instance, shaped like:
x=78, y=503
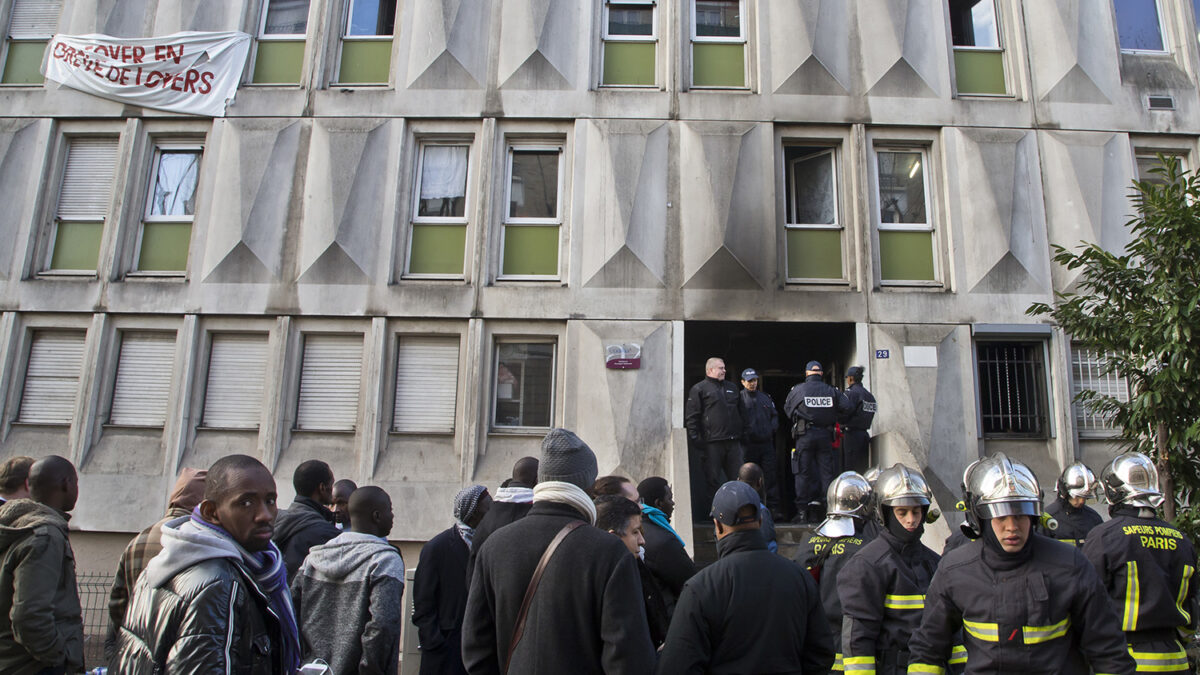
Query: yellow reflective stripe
x=988, y=632
x=1035, y=634
x=837, y=662
x=1183, y=589
x=1160, y=662
x=859, y=664
x=1132, y=597
x=926, y=668
x=958, y=655
x=904, y=601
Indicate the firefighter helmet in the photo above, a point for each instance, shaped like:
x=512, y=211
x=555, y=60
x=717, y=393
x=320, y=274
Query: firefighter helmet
x=998, y=487
x=848, y=497
x=1132, y=479
x=901, y=486
x=1076, y=481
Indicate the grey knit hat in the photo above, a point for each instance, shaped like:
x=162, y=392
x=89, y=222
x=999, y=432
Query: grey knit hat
x=566, y=458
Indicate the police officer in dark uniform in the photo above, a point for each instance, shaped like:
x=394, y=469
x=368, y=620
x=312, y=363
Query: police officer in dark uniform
x=716, y=422
x=1025, y=603
x=1146, y=565
x=758, y=446
x=856, y=440
x=813, y=407
x=1069, y=509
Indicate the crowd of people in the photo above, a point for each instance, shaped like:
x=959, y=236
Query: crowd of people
x=565, y=571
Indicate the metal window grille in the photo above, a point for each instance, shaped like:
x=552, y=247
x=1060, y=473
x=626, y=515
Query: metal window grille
x=1012, y=389
x=1087, y=373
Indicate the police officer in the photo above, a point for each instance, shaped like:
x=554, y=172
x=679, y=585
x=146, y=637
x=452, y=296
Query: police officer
x=1075, y=518
x=758, y=446
x=813, y=407
x=826, y=550
x=1025, y=603
x=856, y=440
x=1146, y=565
x=715, y=421
x=883, y=586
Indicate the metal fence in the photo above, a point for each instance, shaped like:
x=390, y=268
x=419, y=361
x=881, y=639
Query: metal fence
x=93, y=597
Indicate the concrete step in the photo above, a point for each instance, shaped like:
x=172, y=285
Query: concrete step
x=788, y=537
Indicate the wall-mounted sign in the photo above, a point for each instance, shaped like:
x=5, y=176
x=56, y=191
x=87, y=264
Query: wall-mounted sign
x=883, y=354
x=623, y=355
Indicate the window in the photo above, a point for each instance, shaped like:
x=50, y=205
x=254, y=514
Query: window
x=1148, y=164
x=83, y=203
x=367, y=41
x=1140, y=26
x=906, y=242
x=718, y=43
x=170, y=206
x=630, y=44
x=426, y=384
x=813, y=229
x=279, y=58
x=237, y=368
x=438, y=239
x=52, y=377
x=978, y=56
x=1196, y=16
x=30, y=26
x=1087, y=373
x=1012, y=389
x=534, y=212
x=330, y=373
x=524, y=384
x=143, y=383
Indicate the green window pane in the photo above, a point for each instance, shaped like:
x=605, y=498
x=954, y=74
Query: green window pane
x=906, y=256
x=76, y=246
x=279, y=62
x=365, y=61
x=979, y=72
x=164, y=247
x=718, y=65
x=630, y=63
x=23, y=63
x=814, y=254
x=531, y=249
x=437, y=249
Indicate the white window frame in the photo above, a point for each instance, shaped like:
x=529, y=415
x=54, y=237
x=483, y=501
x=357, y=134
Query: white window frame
x=1141, y=152
x=606, y=37
x=9, y=38
x=740, y=39
x=46, y=262
x=344, y=34
x=508, y=220
x=998, y=49
x=928, y=226
x=152, y=175
x=497, y=342
x=262, y=35
x=453, y=385
x=838, y=225
x=1162, y=32
x=1081, y=357
x=468, y=204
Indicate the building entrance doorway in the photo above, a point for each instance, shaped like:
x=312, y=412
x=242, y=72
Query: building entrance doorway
x=779, y=352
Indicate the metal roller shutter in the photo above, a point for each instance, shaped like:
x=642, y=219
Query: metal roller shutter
x=143, y=383
x=34, y=18
x=237, y=367
x=52, y=377
x=426, y=384
x=87, y=178
x=330, y=374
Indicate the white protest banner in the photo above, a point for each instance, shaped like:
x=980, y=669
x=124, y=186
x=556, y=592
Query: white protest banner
x=186, y=72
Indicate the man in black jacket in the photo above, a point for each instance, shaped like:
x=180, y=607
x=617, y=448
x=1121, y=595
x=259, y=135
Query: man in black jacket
x=861, y=408
x=751, y=611
x=813, y=407
x=715, y=421
x=307, y=522
x=510, y=504
x=759, y=445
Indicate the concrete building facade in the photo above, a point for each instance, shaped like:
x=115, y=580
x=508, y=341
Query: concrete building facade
x=413, y=271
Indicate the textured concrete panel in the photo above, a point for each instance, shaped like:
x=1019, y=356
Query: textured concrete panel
x=1088, y=177
x=725, y=180
x=248, y=224
x=625, y=204
x=1072, y=51
x=348, y=177
x=904, y=54
x=996, y=197
x=124, y=18
x=18, y=176
x=173, y=16
x=540, y=44
x=809, y=49
x=449, y=45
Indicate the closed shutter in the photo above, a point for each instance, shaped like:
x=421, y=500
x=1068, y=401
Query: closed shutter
x=426, y=384
x=329, y=382
x=33, y=19
x=143, y=383
x=87, y=178
x=52, y=377
x=237, y=367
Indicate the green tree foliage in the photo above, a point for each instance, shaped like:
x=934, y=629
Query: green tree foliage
x=1139, y=309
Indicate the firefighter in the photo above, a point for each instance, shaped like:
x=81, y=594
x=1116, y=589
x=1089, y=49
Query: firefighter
x=825, y=551
x=1025, y=603
x=1146, y=566
x=1074, y=487
x=883, y=587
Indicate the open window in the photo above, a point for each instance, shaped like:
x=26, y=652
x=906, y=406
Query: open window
x=437, y=239
x=905, y=225
x=166, y=232
x=1140, y=26
x=279, y=53
x=366, y=45
x=813, y=228
x=978, y=52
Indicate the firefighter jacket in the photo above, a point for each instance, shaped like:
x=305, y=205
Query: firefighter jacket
x=861, y=408
x=1147, y=569
x=1043, y=613
x=1073, y=523
x=825, y=557
x=815, y=402
x=882, y=594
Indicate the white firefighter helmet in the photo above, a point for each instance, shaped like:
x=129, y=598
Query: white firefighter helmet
x=1132, y=479
x=998, y=487
x=1077, y=480
x=848, y=497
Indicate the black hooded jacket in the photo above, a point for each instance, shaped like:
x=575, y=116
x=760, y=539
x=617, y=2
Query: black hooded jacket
x=303, y=525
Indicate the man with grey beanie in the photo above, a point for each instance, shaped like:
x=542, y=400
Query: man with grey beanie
x=586, y=613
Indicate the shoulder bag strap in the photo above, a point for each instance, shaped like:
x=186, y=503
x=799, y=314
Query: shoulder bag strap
x=519, y=628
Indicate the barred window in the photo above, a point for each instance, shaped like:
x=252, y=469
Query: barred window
x=1012, y=389
x=1087, y=373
